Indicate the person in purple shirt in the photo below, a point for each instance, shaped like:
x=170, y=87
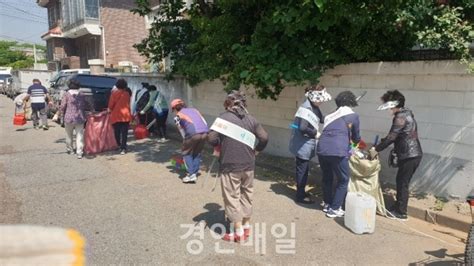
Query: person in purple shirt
x=73, y=106
x=340, y=128
x=193, y=128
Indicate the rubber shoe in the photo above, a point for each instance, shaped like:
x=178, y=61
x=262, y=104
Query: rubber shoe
x=235, y=238
x=190, y=179
x=395, y=215
x=335, y=213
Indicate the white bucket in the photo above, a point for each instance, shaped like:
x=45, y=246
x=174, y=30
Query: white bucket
x=360, y=212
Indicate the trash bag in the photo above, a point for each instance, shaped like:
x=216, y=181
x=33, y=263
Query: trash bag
x=99, y=134
x=365, y=178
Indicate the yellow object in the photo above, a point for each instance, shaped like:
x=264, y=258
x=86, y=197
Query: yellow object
x=37, y=245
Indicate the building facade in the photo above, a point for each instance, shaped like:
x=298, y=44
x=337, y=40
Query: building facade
x=82, y=30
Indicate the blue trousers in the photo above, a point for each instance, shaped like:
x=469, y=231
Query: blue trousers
x=334, y=166
x=192, y=163
x=302, y=168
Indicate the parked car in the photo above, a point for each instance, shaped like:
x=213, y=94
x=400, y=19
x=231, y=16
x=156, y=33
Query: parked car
x=67, y=72
x=4, y=81
x=96, y=88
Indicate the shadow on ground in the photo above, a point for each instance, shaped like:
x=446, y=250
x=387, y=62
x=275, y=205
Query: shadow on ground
x=213, y=217
x=440, y=257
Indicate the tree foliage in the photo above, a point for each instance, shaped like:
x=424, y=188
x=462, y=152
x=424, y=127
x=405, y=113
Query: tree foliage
x=271, y=43
x=14, y=59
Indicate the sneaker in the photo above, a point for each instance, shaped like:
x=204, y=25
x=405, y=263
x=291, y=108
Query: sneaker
x=325, y=207
x=335, y=213
x=123, y=152
x=45, y=127
x=163, y=140
x=304, y=201
x=79, y=156
x=68, y=151
x=397, y=216
x=35, y=127
x=234, y=238
x=190, y=179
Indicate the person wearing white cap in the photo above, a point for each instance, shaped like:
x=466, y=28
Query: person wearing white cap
x=304, y=136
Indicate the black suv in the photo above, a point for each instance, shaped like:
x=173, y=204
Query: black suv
x=96, y=88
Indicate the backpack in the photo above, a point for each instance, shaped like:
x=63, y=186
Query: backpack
x=142, y=101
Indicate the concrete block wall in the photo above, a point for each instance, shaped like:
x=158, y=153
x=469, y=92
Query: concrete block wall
x=440, y=93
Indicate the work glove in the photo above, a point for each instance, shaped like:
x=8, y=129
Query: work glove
x=373, y=153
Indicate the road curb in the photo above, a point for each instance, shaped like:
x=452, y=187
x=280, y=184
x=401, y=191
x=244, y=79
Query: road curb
x=439, y=219
x=415, y=212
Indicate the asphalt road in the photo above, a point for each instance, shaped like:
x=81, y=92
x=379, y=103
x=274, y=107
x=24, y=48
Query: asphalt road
x=132, y=209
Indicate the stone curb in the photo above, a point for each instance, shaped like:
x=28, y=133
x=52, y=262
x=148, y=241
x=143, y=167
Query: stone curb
x=415, y=212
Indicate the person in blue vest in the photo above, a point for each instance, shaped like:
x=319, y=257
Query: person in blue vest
x=304, y=134
x=334, y=146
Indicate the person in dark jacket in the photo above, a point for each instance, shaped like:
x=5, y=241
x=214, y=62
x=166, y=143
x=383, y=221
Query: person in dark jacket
x=340, y=127
x=305, y=131
x=404, y=135
x=240, y=138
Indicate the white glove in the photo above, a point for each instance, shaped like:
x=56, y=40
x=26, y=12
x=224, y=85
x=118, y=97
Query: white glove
x=142, y=112
x=318, y=135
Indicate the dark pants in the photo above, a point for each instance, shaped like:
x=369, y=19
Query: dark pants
x=161, y=123
x=145, y=118
x=38, y=111
x=302, y=168
x=339, y=166
x=406, y=169
x=121, y=134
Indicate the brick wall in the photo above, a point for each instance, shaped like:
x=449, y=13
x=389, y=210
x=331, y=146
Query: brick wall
x=123, y=29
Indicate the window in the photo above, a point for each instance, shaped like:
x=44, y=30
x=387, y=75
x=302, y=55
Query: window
x=54, y=14
x=92, y=8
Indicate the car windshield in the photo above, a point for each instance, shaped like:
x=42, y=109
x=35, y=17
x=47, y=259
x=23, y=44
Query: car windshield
x=96, y=81
x=5, y=76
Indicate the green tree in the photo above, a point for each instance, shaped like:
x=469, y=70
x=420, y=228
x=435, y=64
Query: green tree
x=269, y=44
x=14, y=59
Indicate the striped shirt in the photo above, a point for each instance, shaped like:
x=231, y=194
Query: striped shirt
x=37, y=93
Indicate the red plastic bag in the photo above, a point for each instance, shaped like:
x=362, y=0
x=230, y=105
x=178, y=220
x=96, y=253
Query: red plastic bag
x=19, y=119
x=140, y=132
x=99, y=134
